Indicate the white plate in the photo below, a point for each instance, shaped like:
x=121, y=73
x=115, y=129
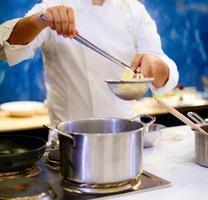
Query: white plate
x=23, y=108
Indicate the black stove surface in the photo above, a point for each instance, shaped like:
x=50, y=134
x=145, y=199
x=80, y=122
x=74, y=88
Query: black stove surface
x=148, y=182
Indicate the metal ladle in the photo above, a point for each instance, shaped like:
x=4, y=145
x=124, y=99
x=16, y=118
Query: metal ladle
x=126, y=90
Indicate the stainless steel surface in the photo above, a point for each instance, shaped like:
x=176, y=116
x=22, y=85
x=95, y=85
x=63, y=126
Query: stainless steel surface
x=152, y=133
x=201, y=147
x=103, y=189
x=60, y=133
x=65, y=191
x=129, y=90
x=148, y=182
x=106, y=150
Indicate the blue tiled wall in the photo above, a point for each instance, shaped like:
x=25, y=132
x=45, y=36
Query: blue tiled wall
x=182, y=25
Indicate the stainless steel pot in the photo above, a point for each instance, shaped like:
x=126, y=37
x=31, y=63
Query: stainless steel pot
x=201, y=140
x=201, y=147
x=102, y=150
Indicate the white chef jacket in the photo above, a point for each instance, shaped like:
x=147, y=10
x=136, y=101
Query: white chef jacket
x=74, y=73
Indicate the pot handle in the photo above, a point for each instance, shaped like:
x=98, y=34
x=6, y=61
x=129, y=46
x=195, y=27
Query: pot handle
x=140, y=118
x=61, y=133
x=196, y=118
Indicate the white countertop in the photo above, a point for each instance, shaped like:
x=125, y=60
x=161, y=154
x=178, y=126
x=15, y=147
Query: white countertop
x=172, y=159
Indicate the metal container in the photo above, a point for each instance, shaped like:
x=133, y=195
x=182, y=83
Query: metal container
x=201, y=147
x=201, y=140
x=101, y=150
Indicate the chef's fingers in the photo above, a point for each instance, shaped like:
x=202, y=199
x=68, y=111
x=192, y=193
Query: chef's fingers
x=136, y=62
x=72, y=27
x=64, y=20
x=48, y=18
x=57, y=20
x=146, y=69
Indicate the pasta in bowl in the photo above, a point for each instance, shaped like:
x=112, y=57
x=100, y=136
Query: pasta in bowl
x=130, y=87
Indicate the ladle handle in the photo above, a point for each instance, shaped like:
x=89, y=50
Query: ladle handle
x=95, y=48
x=177, y=114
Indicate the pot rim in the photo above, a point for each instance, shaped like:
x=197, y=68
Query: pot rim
x=101, y=134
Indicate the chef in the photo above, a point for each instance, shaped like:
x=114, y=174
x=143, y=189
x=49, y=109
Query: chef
x=75, y=74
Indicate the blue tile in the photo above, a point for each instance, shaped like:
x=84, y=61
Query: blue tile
x=182, y=25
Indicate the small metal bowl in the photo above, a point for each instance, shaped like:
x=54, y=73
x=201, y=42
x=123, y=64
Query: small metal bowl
x=129, y=90
x=152, y=133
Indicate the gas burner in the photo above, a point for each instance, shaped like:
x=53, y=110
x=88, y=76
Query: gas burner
x=146, y=182
x=102, y=188
x=25, y=189
x=27, y=173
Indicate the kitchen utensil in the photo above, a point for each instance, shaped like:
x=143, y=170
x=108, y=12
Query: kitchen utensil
x=180, y=116
x=23, y=108
x=201, y=147
x=19, y=152
x=93, y=47
x=152, y=133
x=129, y=90
x=103, y=150
x=201, y=141
x=126, y=90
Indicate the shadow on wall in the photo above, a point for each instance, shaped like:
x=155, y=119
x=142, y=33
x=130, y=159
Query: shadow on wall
x=182, y=25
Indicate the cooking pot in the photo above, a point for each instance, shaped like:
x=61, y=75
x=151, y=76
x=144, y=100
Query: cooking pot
x=102, y=150
x=201, y=147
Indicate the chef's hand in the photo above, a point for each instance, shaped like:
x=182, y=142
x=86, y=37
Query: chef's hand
x=151, y=66
x=61, y=19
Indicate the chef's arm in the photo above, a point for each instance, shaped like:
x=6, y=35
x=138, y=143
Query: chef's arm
x=26, y=30
x=148, y=43
x=19, y=38
x=59, y=18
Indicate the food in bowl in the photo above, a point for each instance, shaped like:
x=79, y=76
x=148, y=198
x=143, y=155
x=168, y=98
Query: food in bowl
x=130, y=87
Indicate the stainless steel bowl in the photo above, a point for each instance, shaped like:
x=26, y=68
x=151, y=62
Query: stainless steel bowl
x=152, y=133
x=129, y=90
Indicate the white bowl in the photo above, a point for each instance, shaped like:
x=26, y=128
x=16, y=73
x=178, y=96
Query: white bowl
x=23, y=108
x=152, y=133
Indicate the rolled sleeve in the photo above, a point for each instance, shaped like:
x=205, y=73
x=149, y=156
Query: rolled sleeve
x=14, y=53
x=17, y=53
x=173, y=76
x=5, y=31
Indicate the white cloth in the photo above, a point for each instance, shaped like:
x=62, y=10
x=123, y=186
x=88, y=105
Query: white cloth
x=76, y=74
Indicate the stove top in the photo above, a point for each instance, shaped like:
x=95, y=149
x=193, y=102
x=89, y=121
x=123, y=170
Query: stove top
x=50, y=177
x=147, y=182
